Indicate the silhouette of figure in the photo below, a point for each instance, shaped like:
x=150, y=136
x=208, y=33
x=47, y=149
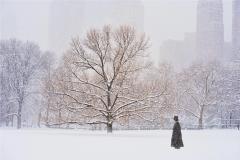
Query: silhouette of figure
x=176, y=140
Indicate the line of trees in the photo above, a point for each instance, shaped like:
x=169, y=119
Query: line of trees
x=107, y=80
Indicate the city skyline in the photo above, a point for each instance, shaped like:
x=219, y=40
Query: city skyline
x=163, y=20
x=207, y=43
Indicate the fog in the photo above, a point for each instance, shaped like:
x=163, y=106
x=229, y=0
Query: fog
x=34, y=20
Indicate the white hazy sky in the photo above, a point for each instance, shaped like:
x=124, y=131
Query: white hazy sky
x=163, y=20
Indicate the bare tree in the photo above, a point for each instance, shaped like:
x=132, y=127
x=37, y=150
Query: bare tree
x=98, y=82
x=21, y=63
x=198, y=88
x=228, y=96
x=6, y=101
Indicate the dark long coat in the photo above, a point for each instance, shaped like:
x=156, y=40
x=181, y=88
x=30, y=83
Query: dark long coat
x=176, y=140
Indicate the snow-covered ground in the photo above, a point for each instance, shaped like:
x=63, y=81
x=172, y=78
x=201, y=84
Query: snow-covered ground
x=121, y=145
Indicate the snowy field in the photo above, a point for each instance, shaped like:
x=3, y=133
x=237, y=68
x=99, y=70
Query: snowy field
x=121, y=145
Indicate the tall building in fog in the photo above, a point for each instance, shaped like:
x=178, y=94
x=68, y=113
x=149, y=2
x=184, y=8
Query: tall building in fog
x=114, y=13
x=1, y=18
x=69, y=18
x=66, y=20
x=210, y=29
x=183, y=51
x=127, y=12
x=236, y=29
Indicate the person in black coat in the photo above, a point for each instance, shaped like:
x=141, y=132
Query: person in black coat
x=176, y=140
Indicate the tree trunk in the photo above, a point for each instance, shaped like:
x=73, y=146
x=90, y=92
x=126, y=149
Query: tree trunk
x=19, y=115
x=7, y=119
x=200, y=120
x=47, y=116
x=39, y=119
x=109, y=116
x=59, y=118
x=109, y=128
x=200, y=125
x=230, y=120
x=7, y=122
x=12, y=120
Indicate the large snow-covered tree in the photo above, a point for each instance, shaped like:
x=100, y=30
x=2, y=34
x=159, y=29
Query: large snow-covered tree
x=99, y=81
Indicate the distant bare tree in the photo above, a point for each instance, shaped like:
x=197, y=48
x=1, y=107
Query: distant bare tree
x=198, y=88
x=6, y=100
x=49, y=63
x=160, y=80
x=21, y=63
x=229, y=94
x=98, y=82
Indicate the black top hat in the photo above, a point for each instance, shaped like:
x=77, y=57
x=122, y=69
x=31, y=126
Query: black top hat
x=175, y=118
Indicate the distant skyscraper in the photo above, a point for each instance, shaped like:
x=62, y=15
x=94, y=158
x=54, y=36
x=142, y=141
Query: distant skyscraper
x=183, y=51
x=236, y=29
x=66, y=19
x=1, y=18
x=210, y=29
x=127, y=12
